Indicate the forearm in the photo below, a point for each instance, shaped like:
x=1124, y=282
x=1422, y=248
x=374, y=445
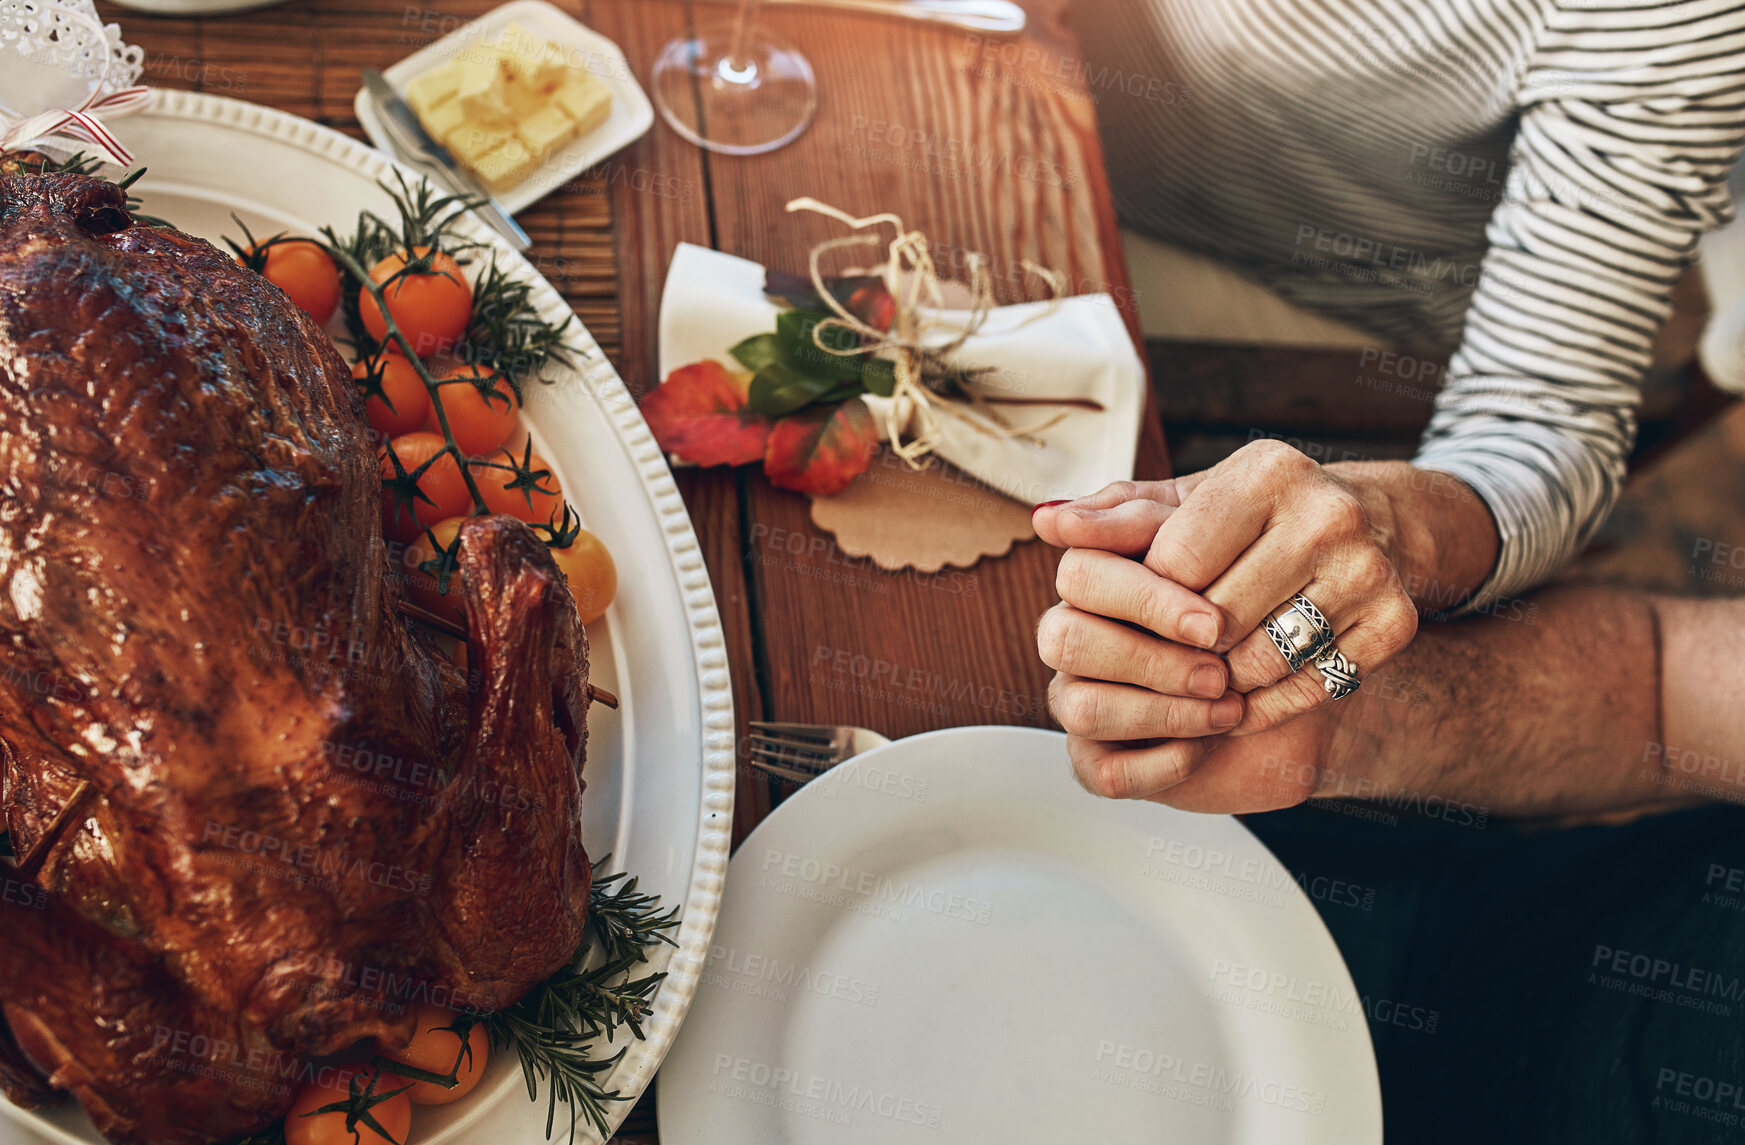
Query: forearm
x=1440, y=533
x=1551, y=709
x=1703, y=697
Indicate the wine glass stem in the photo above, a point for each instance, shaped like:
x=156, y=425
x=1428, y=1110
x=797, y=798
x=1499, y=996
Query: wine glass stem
x=743, y=29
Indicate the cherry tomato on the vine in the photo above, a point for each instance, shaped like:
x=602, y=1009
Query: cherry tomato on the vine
x=431, y=307
x=480, y=425
x=338, y=1107
x=424, y=587
x=437, y=1049
x=591, y=572
x=306, y=273
x=403, y=404
x=540, y=504
x=442, y=483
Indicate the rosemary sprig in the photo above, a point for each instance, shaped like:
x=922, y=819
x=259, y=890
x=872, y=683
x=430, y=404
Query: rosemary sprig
x=624, y=920
x=555, y=1028
x=427, y=218
x=37, y=163
x=507, y=335
x=365, y=245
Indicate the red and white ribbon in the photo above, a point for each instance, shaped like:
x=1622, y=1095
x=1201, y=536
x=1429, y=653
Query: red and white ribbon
x=80, y=123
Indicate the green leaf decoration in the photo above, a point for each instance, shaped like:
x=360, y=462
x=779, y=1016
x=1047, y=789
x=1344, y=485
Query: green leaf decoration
x=781, y=388
x=879, y=376
x=794, y=332
x=757, y=351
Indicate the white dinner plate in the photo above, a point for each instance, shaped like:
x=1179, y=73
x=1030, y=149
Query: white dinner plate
x=948, y=940
x=660, y=768
x=630, y=118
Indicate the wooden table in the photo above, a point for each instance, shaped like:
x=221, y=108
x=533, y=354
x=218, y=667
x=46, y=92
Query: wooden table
x=900, y=106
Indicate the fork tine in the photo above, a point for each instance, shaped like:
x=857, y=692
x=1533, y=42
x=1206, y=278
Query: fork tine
x=811, y=761
x=795, y=731
x=810, y=747
x=799, y=753
x=799, y=777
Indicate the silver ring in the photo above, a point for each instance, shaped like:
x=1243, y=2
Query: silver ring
x=1299, y=630
x=1338, y=673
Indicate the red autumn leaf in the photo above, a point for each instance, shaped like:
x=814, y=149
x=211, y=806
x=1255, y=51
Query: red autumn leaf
x=821, y=448
x=699, y=413
x=873, y=305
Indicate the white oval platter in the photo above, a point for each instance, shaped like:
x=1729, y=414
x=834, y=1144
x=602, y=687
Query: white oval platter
x=660, y=768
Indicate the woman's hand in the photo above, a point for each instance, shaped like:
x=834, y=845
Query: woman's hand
x=1221, y=550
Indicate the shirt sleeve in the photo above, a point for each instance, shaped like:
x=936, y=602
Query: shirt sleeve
x=1631, y=115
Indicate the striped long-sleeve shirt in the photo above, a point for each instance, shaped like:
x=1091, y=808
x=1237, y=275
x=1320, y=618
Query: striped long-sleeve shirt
x=1520, y=181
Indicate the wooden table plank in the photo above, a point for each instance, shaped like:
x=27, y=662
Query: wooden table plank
x=657, y=188
x=981, y=155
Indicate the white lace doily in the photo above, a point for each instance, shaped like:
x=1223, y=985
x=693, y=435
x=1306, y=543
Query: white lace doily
x=57, y=53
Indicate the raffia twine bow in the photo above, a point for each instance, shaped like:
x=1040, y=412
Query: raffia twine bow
x=80, y=124
x=913, y=420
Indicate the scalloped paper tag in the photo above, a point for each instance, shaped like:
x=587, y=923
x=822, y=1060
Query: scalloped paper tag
x=921, y=519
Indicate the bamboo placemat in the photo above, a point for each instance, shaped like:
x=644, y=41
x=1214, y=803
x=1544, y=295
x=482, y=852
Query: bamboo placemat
x=305, y=57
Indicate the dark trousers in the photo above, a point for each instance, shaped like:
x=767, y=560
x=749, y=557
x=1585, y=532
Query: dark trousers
x=1539, y=986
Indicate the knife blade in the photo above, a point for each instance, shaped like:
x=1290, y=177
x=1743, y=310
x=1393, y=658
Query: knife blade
x=413, y=144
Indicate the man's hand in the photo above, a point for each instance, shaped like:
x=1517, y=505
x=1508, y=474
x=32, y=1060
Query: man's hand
x=1218, y=775
x=1220, y=550
x=1594, y=702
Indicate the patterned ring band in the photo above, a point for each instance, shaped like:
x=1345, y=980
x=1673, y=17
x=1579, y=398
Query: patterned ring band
x=1299, y=630
x=1338, y=673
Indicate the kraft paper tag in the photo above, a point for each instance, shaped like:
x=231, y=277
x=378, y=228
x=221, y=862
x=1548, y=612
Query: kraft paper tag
x=903, y=518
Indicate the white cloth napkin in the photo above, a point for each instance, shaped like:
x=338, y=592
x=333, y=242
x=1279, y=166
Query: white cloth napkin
x=713, y=301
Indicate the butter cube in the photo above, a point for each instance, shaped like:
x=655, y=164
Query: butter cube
x=479, y=72
x=546, y=129
x=529, y=58
x=585, y=100
x=522, y=97
x=433, y=88
x=506, y=166
x=471, y=142
x=442, y=121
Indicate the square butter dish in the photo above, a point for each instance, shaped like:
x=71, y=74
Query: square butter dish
x=631, y=114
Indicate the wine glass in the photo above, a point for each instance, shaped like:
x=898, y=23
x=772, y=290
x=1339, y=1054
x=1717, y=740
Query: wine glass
x=735, y=87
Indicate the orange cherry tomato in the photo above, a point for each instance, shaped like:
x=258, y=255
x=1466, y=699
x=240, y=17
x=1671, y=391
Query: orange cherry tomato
x=370, y=1096
x=592, y=575
x=442, y=484
x=430, y=307
x=480, y=425
x=306, y=273
x=538, y=505
x=407, y=402
x=425, y=588
x=437, y=1049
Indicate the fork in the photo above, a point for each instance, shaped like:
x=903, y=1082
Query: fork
x=800, y=753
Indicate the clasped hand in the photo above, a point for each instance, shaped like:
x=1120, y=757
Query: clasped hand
x=1157, y=643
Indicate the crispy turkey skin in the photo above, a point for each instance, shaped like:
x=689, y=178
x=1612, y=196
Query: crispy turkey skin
x=299, y=817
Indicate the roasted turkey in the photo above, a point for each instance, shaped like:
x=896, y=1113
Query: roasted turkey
x=263, y=814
